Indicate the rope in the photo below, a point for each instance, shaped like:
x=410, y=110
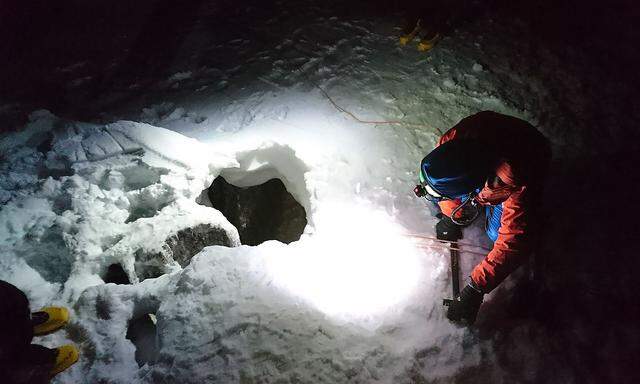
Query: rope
x=432, y=246
x=419, y=236
x=375, y=122
x=349, y=113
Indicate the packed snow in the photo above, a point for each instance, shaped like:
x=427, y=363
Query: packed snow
x=357, y=299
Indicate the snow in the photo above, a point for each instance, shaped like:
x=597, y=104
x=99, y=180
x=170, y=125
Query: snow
x=130, y=186
x=180, y=76
x=355, y=299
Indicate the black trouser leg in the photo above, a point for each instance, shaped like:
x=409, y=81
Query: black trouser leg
x=34, y=365
x=15, y=320
x=22, y=361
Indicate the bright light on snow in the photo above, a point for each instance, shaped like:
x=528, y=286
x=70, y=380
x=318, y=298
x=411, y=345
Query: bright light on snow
x=357, y=265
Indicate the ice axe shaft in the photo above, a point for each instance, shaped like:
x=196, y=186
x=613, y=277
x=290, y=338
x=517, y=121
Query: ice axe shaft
x=455, y=272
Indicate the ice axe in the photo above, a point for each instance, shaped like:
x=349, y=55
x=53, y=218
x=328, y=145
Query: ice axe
x=455, y=272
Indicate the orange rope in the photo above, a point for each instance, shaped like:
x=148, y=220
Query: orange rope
x=356, y=118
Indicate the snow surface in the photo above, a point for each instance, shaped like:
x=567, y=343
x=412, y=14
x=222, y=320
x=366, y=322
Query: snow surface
x=352, y=279
x=355, y=299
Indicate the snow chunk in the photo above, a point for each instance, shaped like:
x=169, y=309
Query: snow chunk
x=100, y=145
x=449, y=83
x=179, y=76
x=166, y=145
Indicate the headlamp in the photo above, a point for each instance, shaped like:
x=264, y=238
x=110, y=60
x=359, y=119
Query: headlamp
x=424, y=190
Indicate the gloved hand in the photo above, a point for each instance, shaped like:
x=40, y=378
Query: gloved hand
x=447, y=230
x=465, y=307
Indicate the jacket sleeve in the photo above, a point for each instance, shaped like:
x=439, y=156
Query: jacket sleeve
x=512, y=246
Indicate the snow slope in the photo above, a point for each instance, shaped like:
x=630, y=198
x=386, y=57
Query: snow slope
x=355, y=300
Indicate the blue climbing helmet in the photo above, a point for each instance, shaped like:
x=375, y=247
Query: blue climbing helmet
x=456, y=168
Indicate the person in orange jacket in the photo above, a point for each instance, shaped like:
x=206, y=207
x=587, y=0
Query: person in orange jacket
x=494, y=161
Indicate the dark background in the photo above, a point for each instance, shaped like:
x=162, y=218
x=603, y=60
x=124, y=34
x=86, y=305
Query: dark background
x=120, y=41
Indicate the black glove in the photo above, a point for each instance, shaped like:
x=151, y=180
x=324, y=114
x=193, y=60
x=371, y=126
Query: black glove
x=465, y=307
x=447, y=230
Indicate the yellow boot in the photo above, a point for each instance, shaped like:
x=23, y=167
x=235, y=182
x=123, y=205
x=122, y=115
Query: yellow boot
x=426, y=45
x=406, y=39
x=49, y=319
x=66, y=356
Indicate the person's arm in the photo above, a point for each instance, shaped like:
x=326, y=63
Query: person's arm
x=512, y=246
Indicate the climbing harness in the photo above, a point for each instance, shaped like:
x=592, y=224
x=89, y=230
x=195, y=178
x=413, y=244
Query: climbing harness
x=425, y=190
x=469, y=201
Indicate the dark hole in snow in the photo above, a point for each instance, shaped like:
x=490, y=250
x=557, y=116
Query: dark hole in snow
x=142, y=333
x=260, y=213
x=116, y=274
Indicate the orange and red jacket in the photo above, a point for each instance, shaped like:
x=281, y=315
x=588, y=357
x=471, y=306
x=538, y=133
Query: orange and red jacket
x=516, y=183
